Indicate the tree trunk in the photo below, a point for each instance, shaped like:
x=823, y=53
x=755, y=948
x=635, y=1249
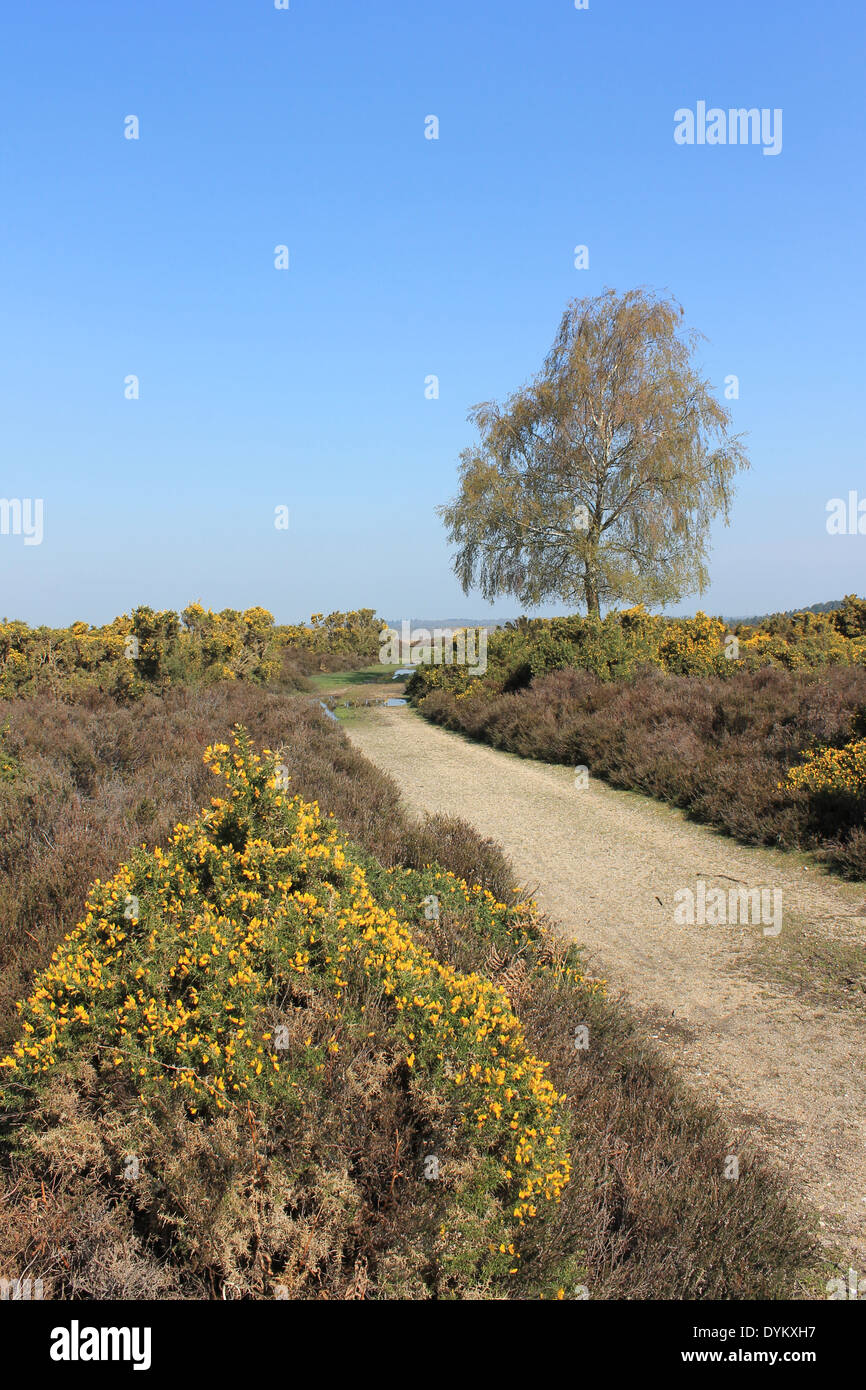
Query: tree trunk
x=590, y=591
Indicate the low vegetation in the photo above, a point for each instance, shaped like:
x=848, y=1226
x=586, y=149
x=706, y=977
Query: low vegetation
x=656, y=706
x=147, y=650
x=273, y=1068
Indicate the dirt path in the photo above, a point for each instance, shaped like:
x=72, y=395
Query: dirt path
x=606, y=864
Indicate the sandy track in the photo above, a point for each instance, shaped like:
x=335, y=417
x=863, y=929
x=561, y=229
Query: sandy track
x=606, y=864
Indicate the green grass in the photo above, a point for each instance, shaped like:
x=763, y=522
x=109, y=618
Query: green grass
x=370, y=682
x=814, y=966
x=324, y=681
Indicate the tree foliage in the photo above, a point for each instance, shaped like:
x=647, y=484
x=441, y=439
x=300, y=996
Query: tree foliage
x=598, y=481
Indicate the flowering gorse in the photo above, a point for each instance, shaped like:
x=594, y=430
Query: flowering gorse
x=833, y=771
x=626, y=641
x=177, y=977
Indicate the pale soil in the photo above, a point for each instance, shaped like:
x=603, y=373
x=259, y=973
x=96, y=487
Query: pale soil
x=605, y=865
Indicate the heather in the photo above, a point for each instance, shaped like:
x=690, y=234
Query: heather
x=286, y=944
x=722, y=738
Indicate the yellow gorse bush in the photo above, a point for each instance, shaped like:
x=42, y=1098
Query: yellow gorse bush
x=170, y=980
x=625, y=641
x=146, y=650
x=833, y=771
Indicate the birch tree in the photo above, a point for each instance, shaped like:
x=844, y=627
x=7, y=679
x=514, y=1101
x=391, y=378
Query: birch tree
x=599, y=480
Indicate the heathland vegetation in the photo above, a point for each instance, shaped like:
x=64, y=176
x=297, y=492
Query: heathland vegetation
x=759, y=732
x=266, y=1035
x=147, y=650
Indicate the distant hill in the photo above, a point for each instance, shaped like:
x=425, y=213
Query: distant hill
x=431, y=623
x=830, y=607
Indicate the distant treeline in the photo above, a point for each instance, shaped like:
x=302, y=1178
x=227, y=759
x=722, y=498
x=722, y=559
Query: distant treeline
x=832, y=607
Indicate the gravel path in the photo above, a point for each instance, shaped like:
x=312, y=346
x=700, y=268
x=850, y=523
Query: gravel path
x=605, y=865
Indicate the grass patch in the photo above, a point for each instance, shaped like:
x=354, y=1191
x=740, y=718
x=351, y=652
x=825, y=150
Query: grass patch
x=827, y=971
x=326, y=682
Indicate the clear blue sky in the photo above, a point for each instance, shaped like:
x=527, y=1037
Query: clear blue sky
x=408, y=257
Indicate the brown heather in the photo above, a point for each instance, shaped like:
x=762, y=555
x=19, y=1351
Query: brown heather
x=648, y=1213
x=717, y=748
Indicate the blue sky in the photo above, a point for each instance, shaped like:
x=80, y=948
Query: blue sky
x=408, y=257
